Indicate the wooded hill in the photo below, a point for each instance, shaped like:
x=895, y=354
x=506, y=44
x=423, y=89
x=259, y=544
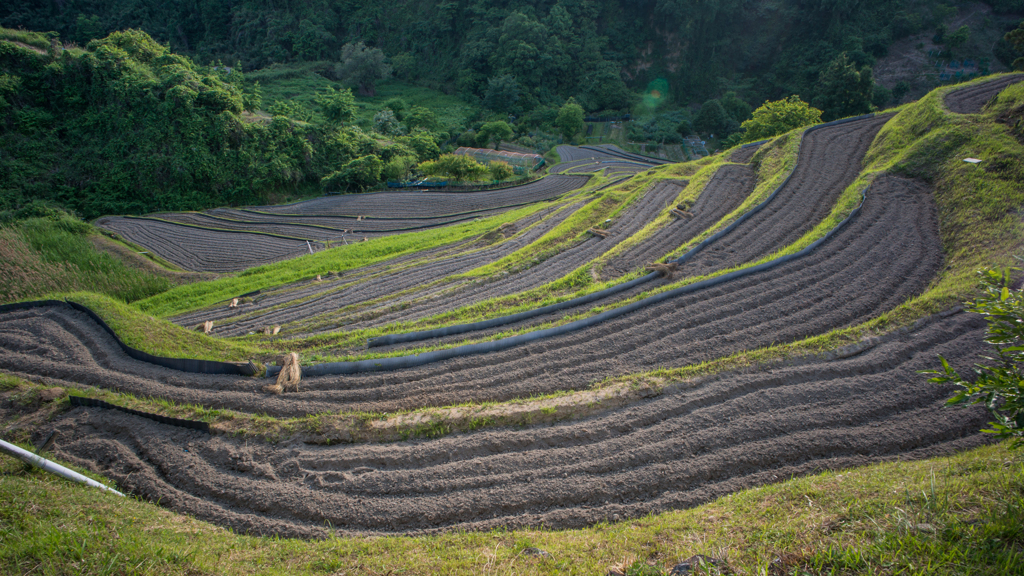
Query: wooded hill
x=541, y=52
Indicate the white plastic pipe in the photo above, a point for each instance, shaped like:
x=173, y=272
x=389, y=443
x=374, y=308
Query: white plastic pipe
x=51, y=467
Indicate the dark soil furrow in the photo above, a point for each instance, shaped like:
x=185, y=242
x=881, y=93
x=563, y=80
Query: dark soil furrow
x=680, y=449
x=205, y=250
x=635, y=217
x=828, y=162
x=723, y=193
x=877, y=260
x=971, y=99
x=388, y=282
x=430, y=204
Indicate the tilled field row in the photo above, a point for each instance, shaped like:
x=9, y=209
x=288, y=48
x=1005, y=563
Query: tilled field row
x=328, y=297
x=431, y=204
x=681, y=449
x=206, y=250
x=971, y=99
x=726, y=190
x=634, y=218
x=828, y=161
x=887, y=254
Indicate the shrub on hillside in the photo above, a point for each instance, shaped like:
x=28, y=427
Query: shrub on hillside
x=1000, y=384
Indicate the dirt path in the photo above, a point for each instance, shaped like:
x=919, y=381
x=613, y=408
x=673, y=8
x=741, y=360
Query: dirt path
x=674, y=451
x=971, y=99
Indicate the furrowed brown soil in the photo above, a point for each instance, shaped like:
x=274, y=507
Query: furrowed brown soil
x=971, y=99
x=681, y=449
x=629, y=222
x=324, y=300
x=887, y=254
x=828, y=162
x=725, y=191
x=203, y=250
x=744, y=154
x=224, y=241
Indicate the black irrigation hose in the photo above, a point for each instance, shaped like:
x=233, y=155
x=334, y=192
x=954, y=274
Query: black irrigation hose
x=183, y=364
x=390, y=339
x=399, y=362
x=94, y=403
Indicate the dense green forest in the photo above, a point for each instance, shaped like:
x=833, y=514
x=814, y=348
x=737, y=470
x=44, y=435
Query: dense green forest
x=126, y=106
x=531, y=51
x=126, y=126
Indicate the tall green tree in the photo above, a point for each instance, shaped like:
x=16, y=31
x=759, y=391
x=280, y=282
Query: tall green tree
x=843, y=90
x=570, y=119
x=362, y=66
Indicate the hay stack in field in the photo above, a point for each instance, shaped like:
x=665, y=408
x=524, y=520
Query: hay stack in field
x=234, y=303
x=271, y=330
x=663, y=269
x=205, y=327
x=288, y=377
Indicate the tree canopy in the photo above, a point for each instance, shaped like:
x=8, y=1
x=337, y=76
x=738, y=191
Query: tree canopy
x=778, y=117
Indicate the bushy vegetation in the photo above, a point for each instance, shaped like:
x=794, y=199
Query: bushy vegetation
x=998, y=382
x=126, y=126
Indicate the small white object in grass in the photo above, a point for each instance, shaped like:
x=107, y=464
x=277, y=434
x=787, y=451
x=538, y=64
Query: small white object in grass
x=972, y=160
x=608, y=220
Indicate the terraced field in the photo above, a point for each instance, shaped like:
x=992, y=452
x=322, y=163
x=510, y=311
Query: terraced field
x=689, y=440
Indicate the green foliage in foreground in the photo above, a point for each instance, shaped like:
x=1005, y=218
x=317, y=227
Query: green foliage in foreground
x=955, y=515
x=1000, y=385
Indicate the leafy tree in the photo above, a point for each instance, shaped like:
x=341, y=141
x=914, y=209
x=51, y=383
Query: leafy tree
x=310, y=41
x=959, y=38
x=455, y=166
x=502, y=93
x=291, y=109
x=362, y=66
x=493, y=132
x=1016, y=37
x=899, y=91
x=999, y=385
x=423, y=144
x=384, y=122
x=420, y=117
x=570, y=119
x=398, y=168
x=398, y=106
x=711, y=118
x=778, y=117
x=358, y=174
x=337, y=106
x=735, y=107
x=842, y=90
x=500, y=170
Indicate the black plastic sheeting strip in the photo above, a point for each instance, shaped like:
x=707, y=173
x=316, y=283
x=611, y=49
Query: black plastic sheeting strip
x=183, y=364
x=399, y=362
x=758, y=143
x=281, y=214
x=391, y=339
x=629, y=156
x=94, y=403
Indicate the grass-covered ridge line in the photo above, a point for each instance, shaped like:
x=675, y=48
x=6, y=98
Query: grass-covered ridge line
x=864, y=520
